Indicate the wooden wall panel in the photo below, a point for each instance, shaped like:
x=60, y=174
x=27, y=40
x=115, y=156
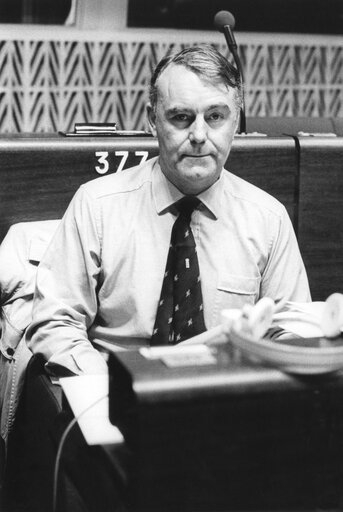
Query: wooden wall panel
x=39, y=174
x=320, y=231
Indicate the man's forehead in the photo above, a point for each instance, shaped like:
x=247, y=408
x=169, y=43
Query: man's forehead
x=177, y=71
x=177, y=80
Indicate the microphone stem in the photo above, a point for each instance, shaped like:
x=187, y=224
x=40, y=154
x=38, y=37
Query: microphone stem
x=242, y=126
x=230, y=40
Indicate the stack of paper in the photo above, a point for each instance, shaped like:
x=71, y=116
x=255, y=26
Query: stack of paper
x=95, y=128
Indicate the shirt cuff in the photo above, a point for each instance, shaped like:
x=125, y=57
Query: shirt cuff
x=78, y=361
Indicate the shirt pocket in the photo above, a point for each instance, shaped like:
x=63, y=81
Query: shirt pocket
x=233, y=291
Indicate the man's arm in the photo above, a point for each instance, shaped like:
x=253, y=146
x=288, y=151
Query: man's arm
x=65, y=301
x=284, y=277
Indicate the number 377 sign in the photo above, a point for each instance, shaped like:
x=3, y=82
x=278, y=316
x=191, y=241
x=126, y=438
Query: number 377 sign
x=118, y=161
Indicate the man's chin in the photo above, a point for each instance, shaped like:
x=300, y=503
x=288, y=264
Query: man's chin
x=197, y=178
x=197, y=171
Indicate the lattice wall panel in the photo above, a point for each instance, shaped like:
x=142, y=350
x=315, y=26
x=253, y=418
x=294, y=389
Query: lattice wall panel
x=46, y=86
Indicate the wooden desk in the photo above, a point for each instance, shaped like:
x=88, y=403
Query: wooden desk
x=233, y=436
x=320, y=229
x=40, y=174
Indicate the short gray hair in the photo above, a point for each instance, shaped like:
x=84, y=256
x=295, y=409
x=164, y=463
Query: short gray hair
x=205, y=61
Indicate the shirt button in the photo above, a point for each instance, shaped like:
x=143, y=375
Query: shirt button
x=10, y=351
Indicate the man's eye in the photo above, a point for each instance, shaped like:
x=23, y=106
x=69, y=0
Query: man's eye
x=181, y=117
x=181, y=120
x=215, y=116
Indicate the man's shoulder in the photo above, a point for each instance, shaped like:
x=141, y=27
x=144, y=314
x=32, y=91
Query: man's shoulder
x=243, y=190
x=128, y=180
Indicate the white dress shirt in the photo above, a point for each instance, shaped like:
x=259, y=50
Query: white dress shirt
x=102, y=274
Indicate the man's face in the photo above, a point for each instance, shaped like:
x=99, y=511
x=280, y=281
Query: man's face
x=195, y=122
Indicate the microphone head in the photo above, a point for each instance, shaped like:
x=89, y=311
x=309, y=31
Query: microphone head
x=223, y=18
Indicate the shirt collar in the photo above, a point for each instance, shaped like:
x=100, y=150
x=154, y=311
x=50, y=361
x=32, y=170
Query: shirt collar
x=165, y=194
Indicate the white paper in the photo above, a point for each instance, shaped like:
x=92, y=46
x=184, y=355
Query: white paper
x=88, y=398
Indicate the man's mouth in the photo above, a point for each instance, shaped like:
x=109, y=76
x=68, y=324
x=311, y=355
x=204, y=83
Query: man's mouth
x=197, y=156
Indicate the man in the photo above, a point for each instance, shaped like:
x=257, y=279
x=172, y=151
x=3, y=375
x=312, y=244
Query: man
x=102, y=275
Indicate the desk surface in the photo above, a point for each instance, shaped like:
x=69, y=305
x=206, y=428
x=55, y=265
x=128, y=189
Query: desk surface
x=250, y=437
x=266, y=441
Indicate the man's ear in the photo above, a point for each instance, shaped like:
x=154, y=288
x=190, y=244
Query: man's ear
x=151, y=118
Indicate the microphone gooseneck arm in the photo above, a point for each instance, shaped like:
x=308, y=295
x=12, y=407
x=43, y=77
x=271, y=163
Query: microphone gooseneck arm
x=230, y=38
x=232, y=45
x=225, y=22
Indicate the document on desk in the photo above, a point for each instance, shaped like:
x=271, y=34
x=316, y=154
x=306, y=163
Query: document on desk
x=87, y=396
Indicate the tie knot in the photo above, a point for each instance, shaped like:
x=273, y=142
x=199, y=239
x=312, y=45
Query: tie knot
x=186, y=205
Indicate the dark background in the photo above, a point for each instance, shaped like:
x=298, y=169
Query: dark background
x=299, y=16
x=34, y=11
x=303, y=16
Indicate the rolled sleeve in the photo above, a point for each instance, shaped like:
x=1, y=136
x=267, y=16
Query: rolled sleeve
x=65, y=301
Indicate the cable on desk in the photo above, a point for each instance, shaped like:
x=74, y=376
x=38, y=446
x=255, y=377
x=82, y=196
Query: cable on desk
x=61, y=446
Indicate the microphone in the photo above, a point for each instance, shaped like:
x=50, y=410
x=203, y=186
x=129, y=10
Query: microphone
x=224, y=21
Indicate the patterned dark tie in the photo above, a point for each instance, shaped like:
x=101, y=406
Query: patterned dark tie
x=180, y=310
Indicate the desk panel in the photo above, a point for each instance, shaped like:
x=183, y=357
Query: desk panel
x=234, y=436
x=227, y=435
x=320, y=231
x=40, y=174
x=271, y=164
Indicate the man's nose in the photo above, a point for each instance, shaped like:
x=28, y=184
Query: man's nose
x=198, y=131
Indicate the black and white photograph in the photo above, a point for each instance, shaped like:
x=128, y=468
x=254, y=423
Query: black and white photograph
x=171, y=256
